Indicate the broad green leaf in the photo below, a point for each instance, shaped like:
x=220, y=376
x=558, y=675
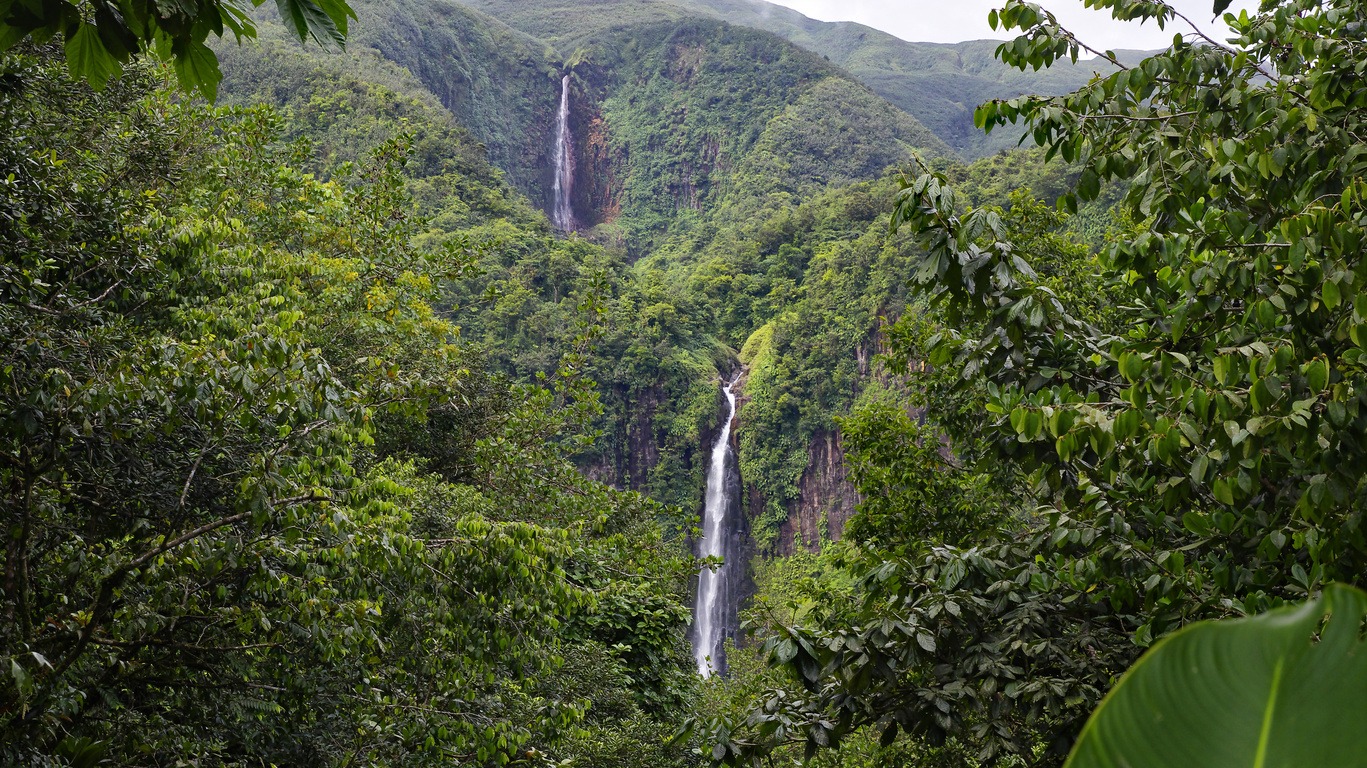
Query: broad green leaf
x=1277, y=690
x=198, y=69
x=309, y=19
x=10, y=36
x=1132, y=366
x=1331, y=295
x=1317, y=374
x=1222, y=491
x=88, y=59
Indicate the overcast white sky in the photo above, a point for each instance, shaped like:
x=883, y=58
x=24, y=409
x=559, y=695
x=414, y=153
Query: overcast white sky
x=952, y=21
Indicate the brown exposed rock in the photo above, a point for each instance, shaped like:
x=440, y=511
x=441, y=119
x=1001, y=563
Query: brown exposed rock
x=826, y=499
x=597, y=193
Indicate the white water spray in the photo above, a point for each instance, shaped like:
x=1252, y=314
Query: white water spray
x=708, y=621
x=562, y=210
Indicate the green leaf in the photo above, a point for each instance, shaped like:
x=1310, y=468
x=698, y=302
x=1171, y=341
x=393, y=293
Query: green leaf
x=1331, y=295
x=88, y=59
x=309, y=19
x=1132, y=366
x=1273, y=690
x=1223, y=493
x=197, y=69
x=10, y=36
x=1198, y=468
x=1317, y=375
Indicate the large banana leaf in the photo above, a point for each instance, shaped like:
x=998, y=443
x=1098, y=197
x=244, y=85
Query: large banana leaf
x=1283, y=689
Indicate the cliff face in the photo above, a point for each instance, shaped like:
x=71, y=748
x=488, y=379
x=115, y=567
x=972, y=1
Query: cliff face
x=598, y=194
x=643, y=449
x=826, y=499
x=635, y=450
x=494, y=80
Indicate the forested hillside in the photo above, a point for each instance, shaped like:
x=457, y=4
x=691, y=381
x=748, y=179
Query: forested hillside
x=274, y=511
x=454, y=397
x=693, y=140
x=938, y=84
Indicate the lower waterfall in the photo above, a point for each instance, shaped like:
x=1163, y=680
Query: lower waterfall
x=714, y=608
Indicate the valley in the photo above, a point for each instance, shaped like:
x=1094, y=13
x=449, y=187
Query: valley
x=674, y=383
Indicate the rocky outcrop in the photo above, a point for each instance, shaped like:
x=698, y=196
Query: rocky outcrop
x=826, y=498
x=598, y=194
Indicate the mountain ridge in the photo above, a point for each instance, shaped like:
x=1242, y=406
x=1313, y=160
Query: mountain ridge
x=940, y=84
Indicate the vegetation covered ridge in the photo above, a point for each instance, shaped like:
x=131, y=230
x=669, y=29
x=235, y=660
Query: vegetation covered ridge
x=319, y=445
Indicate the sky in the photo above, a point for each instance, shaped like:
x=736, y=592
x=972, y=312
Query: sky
x=952, y=21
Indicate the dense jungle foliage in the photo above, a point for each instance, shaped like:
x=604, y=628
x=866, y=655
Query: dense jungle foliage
x=1117, y=443
x=318, y=444
x=265, y=506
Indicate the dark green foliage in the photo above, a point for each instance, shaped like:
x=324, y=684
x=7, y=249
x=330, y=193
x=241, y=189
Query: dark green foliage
x=261, y=507
x=1183, y=412
x=500, y=85
x=101, y=38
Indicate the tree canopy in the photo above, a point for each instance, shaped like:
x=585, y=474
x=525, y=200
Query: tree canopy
x=1193, y=444
x=100, y=37
x=261, y=506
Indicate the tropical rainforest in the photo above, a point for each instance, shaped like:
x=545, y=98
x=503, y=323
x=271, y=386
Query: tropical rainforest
x=373, y=374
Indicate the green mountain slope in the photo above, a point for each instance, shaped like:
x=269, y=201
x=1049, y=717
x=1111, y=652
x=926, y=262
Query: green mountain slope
x=697, y=113
x=734, y=189
x=671, y=112
x=347, y=105
x=939, y=84
x=495, y=80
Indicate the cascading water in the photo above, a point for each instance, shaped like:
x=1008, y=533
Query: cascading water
x=562, y=210
x=709, y=611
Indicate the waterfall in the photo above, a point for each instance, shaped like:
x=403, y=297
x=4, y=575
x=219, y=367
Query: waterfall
x=713, y=603
x=562, y=210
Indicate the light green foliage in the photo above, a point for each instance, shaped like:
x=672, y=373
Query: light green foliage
x=347, y=104
x=1274, y=689
x=521, y=299
x=753, y=125
x=834, y=134
x=693, y=101
x=915, y=494
x=802, y=289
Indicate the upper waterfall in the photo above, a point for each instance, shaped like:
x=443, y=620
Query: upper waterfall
x=709, y=610
x=562, y=209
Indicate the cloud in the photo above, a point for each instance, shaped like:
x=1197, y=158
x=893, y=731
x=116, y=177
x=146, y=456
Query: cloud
x=951, y=21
